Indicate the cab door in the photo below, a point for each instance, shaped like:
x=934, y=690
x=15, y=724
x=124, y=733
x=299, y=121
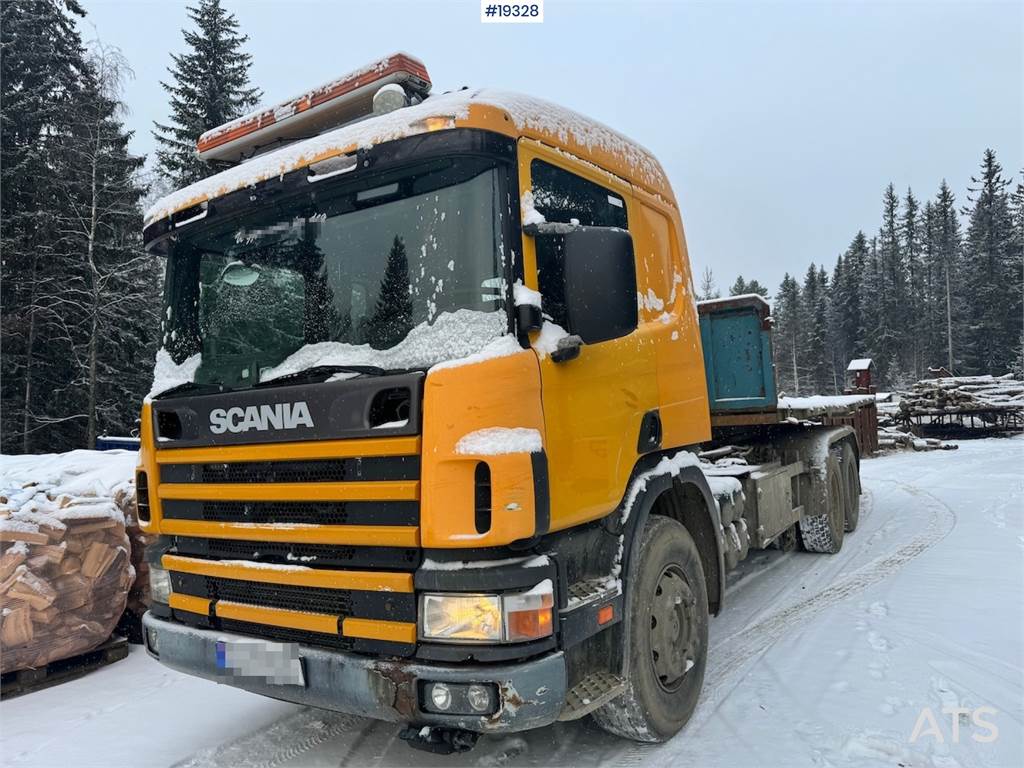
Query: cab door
x=595, y=403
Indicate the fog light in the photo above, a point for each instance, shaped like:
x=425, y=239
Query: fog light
x=479, y=698
x=440, y=696
x=153, y=641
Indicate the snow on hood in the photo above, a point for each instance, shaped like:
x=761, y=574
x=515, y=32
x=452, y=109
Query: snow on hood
x=526, y=113
x=167, y=374
x=459, y=337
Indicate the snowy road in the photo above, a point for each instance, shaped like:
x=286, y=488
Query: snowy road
x=817, y=660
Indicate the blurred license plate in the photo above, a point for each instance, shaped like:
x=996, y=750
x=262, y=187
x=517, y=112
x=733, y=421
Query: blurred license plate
x=274, y=663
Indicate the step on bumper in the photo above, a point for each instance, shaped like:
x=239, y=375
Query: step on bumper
x=532, y=693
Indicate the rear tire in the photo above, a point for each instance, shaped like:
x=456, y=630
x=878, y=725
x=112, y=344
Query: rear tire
x=851, y=483
x=668, y=607
x=824, y=532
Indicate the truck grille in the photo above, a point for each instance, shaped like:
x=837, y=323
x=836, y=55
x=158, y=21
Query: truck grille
x=301, y=512
x=324, y=470
x=311, y=555
x=316, y=550
x=393, y=606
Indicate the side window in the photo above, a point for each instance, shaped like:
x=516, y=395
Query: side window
x=561, y=196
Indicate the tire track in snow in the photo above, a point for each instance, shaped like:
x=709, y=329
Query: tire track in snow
x=758, y=638
x=280, y=742
x=737, y=650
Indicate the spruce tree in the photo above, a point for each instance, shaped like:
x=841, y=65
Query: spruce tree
x=910, y=241
x=755, y=287
x=889, y=291
x=944, y=260
x=1017, y=264
x=786, y=335
x=741, y=287
x=392, y=317
x=814, y=332
x=40, y=68
x=846, y=302
x=209, y=86
x=993, y=282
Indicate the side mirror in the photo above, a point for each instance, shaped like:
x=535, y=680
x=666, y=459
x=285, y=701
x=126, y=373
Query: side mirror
x=600, y=283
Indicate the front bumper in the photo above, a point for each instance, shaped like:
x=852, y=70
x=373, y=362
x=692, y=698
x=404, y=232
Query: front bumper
x=532, y=692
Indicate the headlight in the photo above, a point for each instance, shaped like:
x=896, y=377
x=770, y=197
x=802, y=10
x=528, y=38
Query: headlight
x=462, y=617
x=159, y=584
x=509, y=618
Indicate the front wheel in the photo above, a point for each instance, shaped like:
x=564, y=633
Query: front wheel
x=668, y=608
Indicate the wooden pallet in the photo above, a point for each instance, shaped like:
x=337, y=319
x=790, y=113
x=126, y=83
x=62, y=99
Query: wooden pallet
x=26, y=680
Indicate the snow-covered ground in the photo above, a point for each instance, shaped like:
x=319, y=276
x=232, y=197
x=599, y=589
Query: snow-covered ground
x=817, y=660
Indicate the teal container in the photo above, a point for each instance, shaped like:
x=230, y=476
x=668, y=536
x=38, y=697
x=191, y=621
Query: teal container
x=737, y=340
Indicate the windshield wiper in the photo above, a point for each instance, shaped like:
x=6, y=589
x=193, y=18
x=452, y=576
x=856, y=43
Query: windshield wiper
x=324, y=370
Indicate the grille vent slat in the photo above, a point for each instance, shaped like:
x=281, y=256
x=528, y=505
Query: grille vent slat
x=304, y=512
x=363, y=469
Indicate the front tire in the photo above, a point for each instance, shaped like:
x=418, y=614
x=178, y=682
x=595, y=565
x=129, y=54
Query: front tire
x=668, y=607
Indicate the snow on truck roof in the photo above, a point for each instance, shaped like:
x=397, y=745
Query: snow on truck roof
x=531, y=117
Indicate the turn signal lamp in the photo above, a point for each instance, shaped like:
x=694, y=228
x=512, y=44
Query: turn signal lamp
x=528, y=615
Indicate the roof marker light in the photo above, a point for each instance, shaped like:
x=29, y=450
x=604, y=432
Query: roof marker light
x=340, y=101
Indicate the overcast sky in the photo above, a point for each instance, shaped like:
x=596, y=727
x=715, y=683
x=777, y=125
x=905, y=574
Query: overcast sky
x=779, y=123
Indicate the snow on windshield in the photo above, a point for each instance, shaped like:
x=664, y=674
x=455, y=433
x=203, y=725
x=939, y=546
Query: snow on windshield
x=452, y=336
x=168, y=374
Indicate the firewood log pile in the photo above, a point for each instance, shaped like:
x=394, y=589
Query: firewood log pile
x=138, y=595
x=890, y=437
x=963, y=395
x=65, y=570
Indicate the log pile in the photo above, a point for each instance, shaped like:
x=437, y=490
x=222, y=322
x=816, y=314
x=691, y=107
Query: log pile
x=65, y=572
x=138, y=595
x=894, y=438
x=962, y=395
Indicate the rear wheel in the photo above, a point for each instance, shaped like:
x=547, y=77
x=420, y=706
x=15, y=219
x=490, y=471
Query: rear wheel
x=668, y=607
x=851, y=485
x=823, y=532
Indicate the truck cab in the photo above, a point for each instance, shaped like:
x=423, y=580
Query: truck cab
x=431, y=392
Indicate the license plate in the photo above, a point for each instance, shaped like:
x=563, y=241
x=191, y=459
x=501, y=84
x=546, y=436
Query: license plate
x=274, y=663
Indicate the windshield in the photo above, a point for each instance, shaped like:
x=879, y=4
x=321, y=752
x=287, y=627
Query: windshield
x=402, y=274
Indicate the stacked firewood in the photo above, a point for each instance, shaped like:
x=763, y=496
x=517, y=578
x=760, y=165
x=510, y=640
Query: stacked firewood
x=963, y=395
x=138, y=595
x=65, y=572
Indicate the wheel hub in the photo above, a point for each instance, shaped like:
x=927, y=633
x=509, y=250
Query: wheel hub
x=672, y=628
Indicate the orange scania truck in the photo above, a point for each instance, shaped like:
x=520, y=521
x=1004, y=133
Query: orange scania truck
x=439, y=435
